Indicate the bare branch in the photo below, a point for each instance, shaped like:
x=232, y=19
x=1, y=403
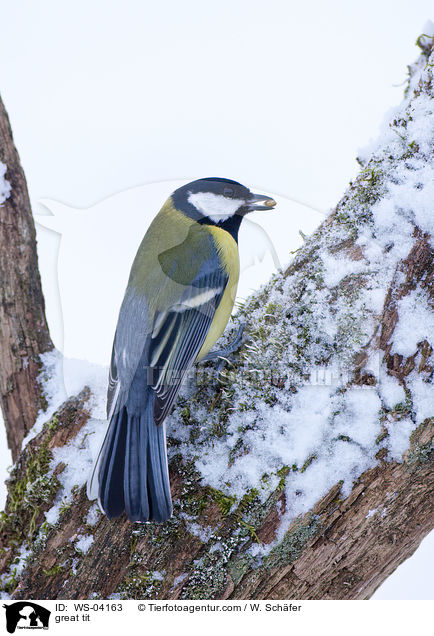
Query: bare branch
x=24, y=333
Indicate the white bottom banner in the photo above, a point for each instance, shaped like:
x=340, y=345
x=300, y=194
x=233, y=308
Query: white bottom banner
x=191, y=617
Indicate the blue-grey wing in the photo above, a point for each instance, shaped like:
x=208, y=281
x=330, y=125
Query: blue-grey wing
x=180, y=332
x=160, y=351
x=131, y=338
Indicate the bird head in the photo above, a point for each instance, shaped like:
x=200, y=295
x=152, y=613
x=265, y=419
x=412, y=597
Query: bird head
x=218, y=201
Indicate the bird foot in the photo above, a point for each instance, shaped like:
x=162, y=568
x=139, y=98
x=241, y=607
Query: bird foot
x=231, y=347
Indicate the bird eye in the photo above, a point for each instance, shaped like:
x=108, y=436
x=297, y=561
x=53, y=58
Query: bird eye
x=228, y=192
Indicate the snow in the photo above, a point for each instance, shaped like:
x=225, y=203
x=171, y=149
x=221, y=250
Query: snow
x=416, y=322
x=78, y=456
x=83, y=542
x=203, y=533
x=179, y=579
x=18, y=565
x=392, y=392
x=422, y=396
x=338, y=268
x=277, y=437
x=93, y=515
x=382, y=512
x=338, y=432
x=358, y=419
x=398, y=436
x=5, y=186
x=62, y=377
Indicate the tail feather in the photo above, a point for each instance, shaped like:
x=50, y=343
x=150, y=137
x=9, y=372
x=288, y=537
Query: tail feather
x=158, y=474
x=111, y=492
x=136, y=469
x=132, y=470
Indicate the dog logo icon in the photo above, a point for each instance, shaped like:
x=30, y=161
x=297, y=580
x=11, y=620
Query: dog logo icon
x=26, y=615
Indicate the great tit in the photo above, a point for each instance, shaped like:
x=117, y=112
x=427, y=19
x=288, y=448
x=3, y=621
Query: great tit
x=179, y=298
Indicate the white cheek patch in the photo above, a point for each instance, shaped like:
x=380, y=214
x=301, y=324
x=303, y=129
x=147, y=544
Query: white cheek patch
x=215, y=206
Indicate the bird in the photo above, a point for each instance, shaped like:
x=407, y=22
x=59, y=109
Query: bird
x=179, y=297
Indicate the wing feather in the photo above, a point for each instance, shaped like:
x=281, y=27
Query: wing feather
x=195, y=314
x=159, y=334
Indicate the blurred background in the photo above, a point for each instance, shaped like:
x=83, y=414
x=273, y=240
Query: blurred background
x=113, y=105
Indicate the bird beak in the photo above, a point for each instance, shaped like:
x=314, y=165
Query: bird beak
x=260, y=202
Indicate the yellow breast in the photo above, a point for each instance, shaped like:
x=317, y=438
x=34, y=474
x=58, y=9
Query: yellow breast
x=228, y=252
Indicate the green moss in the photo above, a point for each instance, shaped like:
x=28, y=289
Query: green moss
x=382, y=436
x=31, y=489
x=402, y=409
x=134, y=541
x=225, y=502
x=293, y=544
x=248, y=502
x=251, y=530
x=237, y=451
x=307, y=463
x=367, y=190
x=28, y=493
x=193, y=499
x=208, y=573
x=56, y=569
x=271, y=308
x=141, y=585
x=53, y=423
x=185, y=414
x=64, y=506
x=10, y=583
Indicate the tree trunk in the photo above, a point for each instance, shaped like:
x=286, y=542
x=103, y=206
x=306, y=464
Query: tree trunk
x=24, y=332
x=263, y=544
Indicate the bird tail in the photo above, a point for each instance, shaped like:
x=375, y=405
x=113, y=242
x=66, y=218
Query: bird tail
x=131, y=472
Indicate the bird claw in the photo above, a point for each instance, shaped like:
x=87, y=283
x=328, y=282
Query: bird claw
x=231, y=348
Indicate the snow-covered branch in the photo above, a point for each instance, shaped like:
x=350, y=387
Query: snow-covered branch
x=303, y=469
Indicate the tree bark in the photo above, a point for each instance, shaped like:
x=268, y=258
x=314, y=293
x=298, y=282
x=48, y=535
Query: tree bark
x=24, y=334
x=345, y=546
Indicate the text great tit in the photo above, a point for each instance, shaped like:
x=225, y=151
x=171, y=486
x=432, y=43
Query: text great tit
x=178, y=300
